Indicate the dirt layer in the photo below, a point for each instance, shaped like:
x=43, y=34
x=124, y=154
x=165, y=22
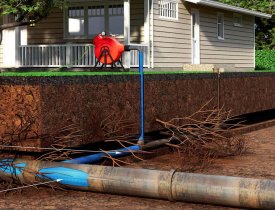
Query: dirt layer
x=258, y=162
x=34, y=110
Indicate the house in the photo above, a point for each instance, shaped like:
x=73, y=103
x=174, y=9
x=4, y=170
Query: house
x=173, y=34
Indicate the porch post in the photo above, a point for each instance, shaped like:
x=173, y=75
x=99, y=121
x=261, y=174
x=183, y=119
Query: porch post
x=127, y=55
x=147, y=30
x=17, y=44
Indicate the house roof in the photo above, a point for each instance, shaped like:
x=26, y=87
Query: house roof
x=220, y=5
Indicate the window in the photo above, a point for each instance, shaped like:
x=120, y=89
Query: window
x=76, y=21
x=237, y=20
x=220, y=26
x=96, y=20
x=90, y=20
x=168, y=9
x=116, y=19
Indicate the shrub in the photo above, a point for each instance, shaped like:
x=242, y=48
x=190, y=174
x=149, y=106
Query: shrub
x=265, y=59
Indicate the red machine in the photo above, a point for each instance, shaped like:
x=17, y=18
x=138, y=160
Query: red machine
x=108, y=50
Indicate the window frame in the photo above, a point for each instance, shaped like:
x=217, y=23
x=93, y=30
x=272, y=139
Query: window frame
x=86, y=19
x=163, y=11
x=68, y=20
x=220, y=15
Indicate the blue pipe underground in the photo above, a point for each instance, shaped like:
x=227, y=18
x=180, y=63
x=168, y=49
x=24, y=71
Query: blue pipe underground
x=94, y=158
x=97, y=157
x=141, y=72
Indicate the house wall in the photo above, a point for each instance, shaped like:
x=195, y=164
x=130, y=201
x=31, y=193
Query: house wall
x=48, y=31
x=172, y=38
x=1, y=46
x=137, y=21
x=1, y=55
x=51, y=30
x=236, y=51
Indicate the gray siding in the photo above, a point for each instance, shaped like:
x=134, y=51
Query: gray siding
x=172, y=38
x=236, y=51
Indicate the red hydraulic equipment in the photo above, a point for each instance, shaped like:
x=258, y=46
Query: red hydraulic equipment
x=108, y=50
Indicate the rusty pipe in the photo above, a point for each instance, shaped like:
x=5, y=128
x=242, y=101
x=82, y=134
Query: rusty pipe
x=172, y=185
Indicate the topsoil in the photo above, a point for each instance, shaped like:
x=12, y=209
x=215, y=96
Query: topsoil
x=257, y=162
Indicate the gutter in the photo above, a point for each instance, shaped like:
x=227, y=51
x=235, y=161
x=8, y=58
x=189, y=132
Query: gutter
x=223, y=6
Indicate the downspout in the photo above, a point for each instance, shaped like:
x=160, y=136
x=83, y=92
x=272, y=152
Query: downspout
x=152, y=34
x=171, y=185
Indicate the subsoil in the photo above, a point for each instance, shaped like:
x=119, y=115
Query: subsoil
x=34, y=109
x=257, y=162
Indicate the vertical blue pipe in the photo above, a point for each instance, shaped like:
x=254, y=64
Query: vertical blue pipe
x=96, y=157
x=141, y=73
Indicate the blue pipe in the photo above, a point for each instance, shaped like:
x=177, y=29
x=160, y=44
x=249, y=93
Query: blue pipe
x=121, y=152
x=141, y=73
x=97, y=157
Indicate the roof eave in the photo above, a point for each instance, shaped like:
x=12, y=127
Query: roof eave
x=230, y=8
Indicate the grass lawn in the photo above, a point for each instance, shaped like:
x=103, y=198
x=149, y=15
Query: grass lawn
x=57, y=73
x=88, y=73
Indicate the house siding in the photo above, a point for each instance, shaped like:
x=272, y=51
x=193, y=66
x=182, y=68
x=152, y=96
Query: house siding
x=172, y=38
x=48, y=31
x=1, y=55
x=1, y=46
x=236, y=51
x=173, y=45
x=137, y=21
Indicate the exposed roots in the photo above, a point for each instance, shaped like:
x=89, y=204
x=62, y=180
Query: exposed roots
x=116, y=126
x=203, y=136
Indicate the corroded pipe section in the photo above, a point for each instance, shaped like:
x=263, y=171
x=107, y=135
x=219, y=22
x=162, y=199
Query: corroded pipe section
x=172, y=185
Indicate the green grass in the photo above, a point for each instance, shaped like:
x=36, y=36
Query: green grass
x=69, y=74
x=58, y=74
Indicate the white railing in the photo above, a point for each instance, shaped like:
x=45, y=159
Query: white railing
x=134, y=55
x=68, y=55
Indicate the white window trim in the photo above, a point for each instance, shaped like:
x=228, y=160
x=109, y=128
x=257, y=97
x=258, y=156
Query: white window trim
x=241, y=20
x=166, y=17
x=220, y=15
x=85, y=5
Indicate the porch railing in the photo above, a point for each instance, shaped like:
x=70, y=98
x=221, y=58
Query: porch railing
x=77, y=55
x=67, y=55
x=134, y=55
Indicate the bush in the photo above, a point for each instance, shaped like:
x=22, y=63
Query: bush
x=265, y=59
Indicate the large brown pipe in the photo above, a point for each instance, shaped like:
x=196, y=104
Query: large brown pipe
x=172, y=185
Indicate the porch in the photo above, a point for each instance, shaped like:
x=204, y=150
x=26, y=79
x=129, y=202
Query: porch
x=63, y=39
x=69, y=55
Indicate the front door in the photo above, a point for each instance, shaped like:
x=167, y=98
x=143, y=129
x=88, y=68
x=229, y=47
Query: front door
x=195, y=16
